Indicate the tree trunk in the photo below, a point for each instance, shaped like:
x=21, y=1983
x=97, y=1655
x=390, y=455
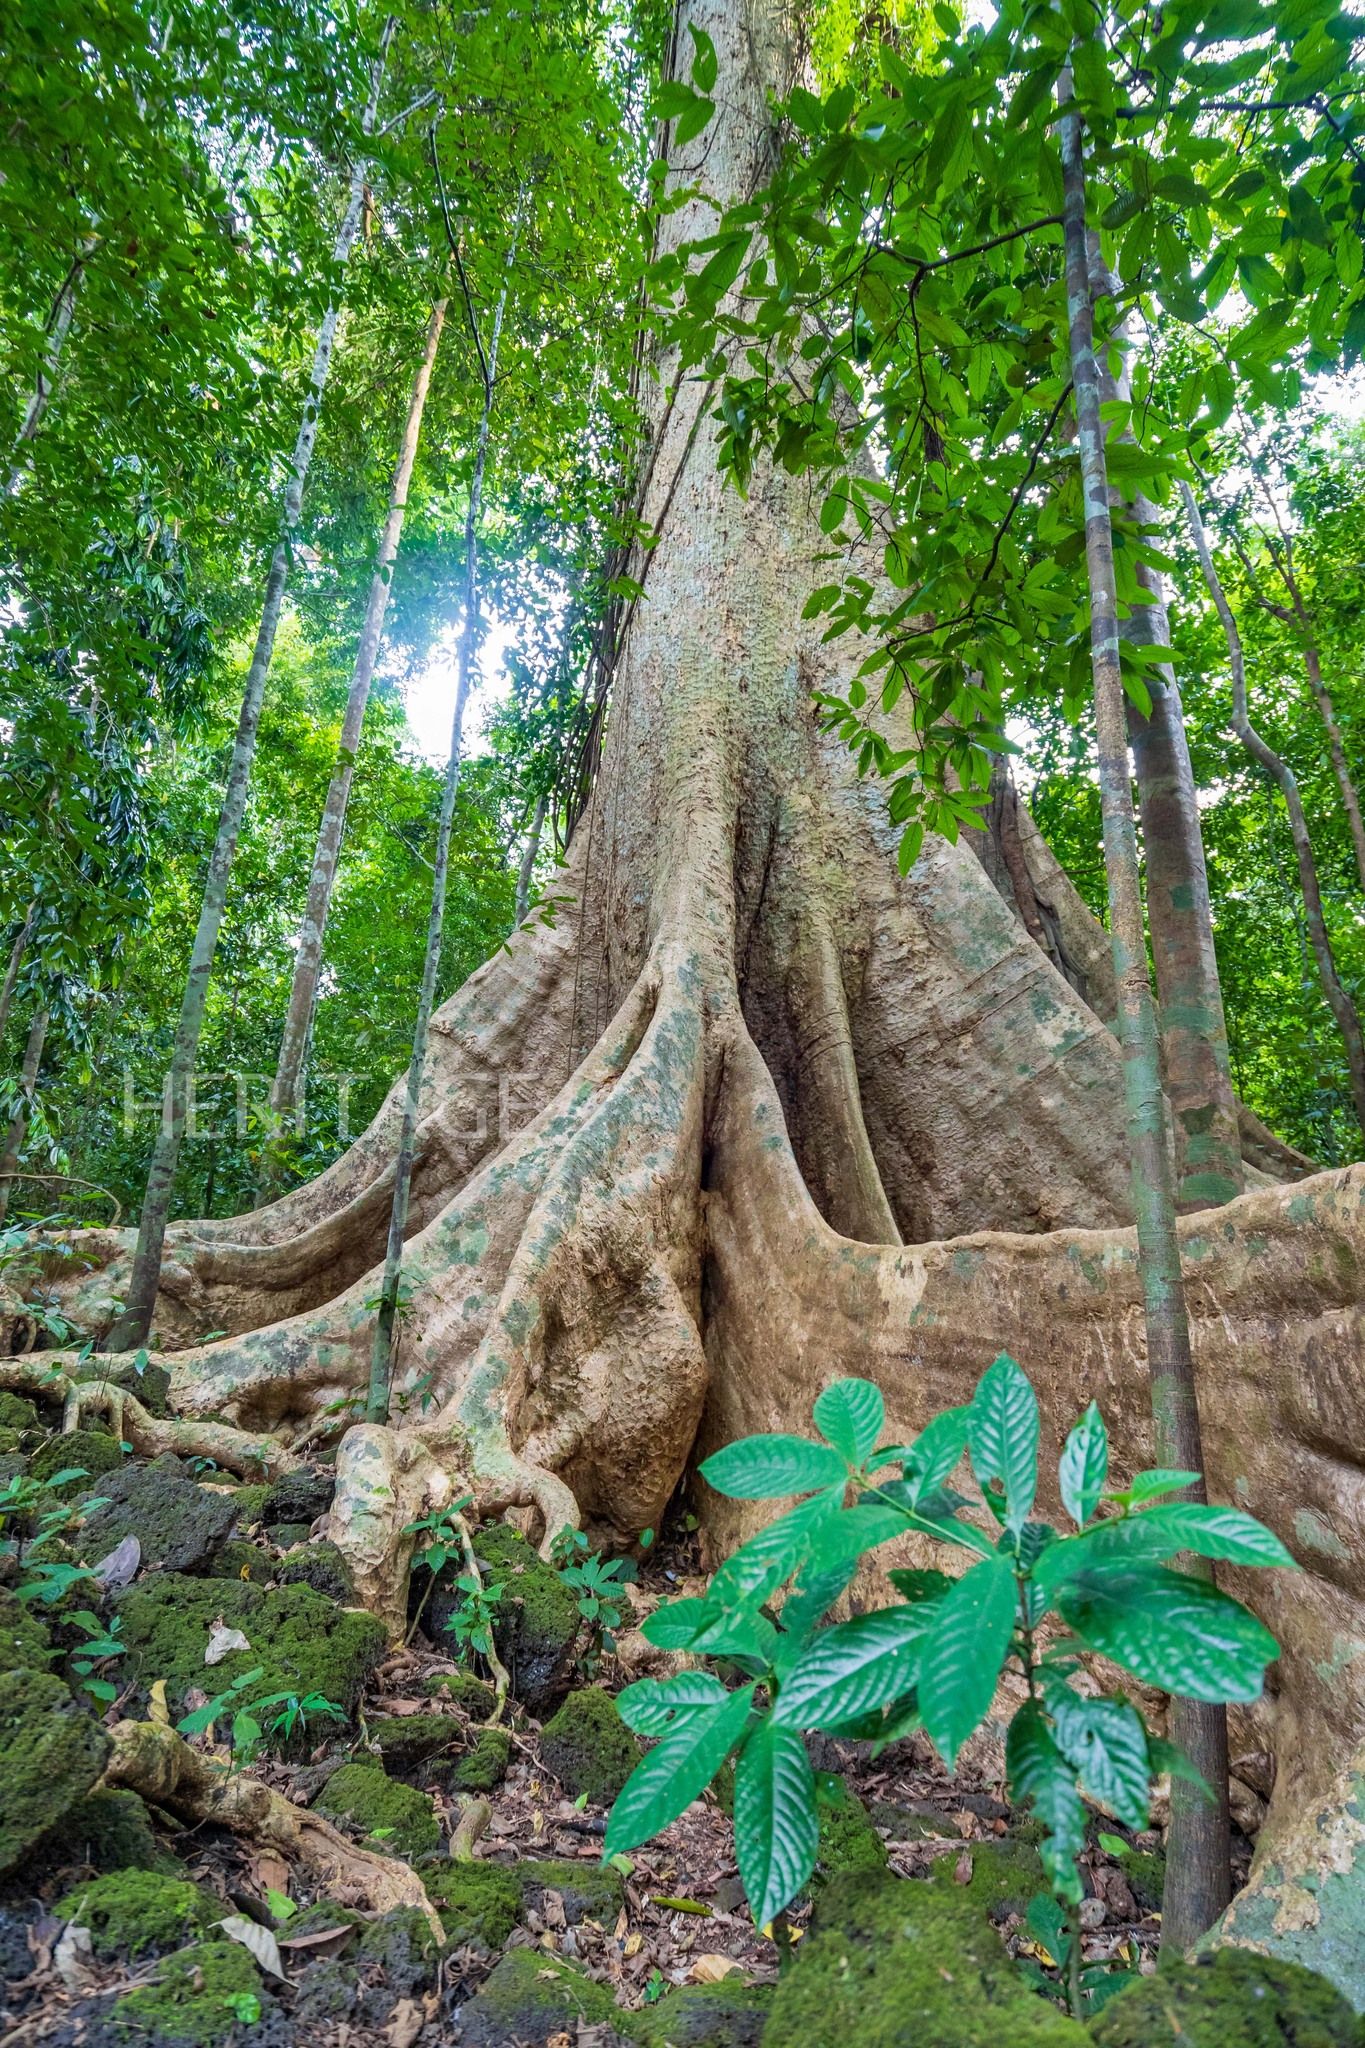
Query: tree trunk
x=59, y=320
x=1338, y=1001
x=131, y=1328
x=1327, y=711
x=528, y=857
x=756, y=1111
x=16, y=961
x=308, y=957
x=1198, y=1869
x=28, y=1085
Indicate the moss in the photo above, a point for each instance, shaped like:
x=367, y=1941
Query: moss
x=191, y=2004
x=537, y=1622
x=17, y=1413
x=848, y=1841
x=299, y=1497
x=321, y=1566
x=482, y=1767
x=588, y=1890
x=402, y=1945
x=588, y=1747
x=531, y=1996
x=1230, y=1999
x=1145, y=1871
x=405, y=1741
x=135, y=1910
x=889, y=1963
x=239, y=1559
x=248, y=1505
x=301, y=1642
x=91, y=1451
x=107, y=1831
x=731, y=2014
x=400, y=1817
x=151, y=1385
x=24, y=1642
x=287, y=1535
x=181, y=1526
x=467, y=1691
x=476, y=1901
x=1005, y=1876
x=51, y=1752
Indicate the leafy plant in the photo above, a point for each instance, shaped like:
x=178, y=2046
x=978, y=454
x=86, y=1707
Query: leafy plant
x=934, y=1660
x=473, y=1621
x=21, y=1501
x=597, y=1586
x=103, y=1642
x=249, y=1727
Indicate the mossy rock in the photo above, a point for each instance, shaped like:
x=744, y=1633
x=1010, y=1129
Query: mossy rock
x=107, y=1831
x=203, y=1998
x=321, y=1566
x=11, y=1450
x=89, y=1451
x=1006, y=1876
x=588, y=1747
x=248, y=1505
x=589, y=1891
x=400, y=1945
x=476, y=1901
x=1145, y=1870
x=239, y=1559
x=479, y=1769
x=537, y=1622
x=151, y=1385
x=731, y=2014
x=16, y=1413
x=24, y=1642
x=392, y=1817
x=1230, y=1999
x=180, y=1525
x=848, y=1842
x=299, y=1496
x=51, y=1752
x=135, y=1911
x=406, y=1741
x=891, y=1963
x=532, y=1996
x=287, y=1535
x=467, y=1691
x=301, y=1642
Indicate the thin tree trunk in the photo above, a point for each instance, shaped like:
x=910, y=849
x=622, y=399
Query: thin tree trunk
x=382, y=1356
x=1327, y=711
x=59, y=320
x=28, y=1083
x=133, y=1324
x=1198, y=1879
x=1338, y=1001
x=16, y=961
x=528, y=858
x=308, y=960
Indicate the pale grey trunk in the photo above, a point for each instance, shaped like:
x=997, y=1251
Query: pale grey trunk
x=308, y=959
x=28, y=1084
x=1338, y=1001
x=58, y=322
x=133, y=1324
x=382, y=1357
x=16, y=961
x=528, y=858
x=1198, y=1881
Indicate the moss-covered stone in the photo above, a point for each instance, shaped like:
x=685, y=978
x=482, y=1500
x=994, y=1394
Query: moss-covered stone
x=848, y=1841
x=1005, y=1877
x=1145, y=1870
x=731, y=2014
x=180, y=1525
x=405, y=1741
x=1230, y=1999
x=301, y=1642
x=467, y=1691
x=24, y=1641
x=588, y=1747
x=479, y=1768
x=91, y=1451
x=248, y=1505
x=319, y=1565
x=135, y=1911
x=588, y=1890
x=16, y=1413
x=287, y=1535
x=532, y=1996
x=51, y=1752
x=476, y=1901
x=239, y=1559
x=537, y=1622
x=392, y=1817
x=890, y=1963
x=299, y=1496
x=106, y=1831
x=203, y=1998
x=402, y=1946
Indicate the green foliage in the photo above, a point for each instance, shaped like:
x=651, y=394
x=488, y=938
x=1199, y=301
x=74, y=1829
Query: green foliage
x=596, y=1584
x=935, y=1660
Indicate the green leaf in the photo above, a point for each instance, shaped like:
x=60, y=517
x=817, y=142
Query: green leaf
x=850, y=1415
x=777, y=1826
x=811, y=1598
x=1039, y=1772
x=1084, y=1465
x=1106, y=1741
x=658, y=1706
x=857, y=1530
x=961, y=1661
x=917, y=1583
x=856, y=1666
x=772, y=1467
x=1176, y=1632
x=936, y=1451
x=690, y=126
x=1149, y=1485
x=704, y=63
x=759, y=1566
x=1164, y=1532
x=673, y=1626
x=677, y=1772
x=1002, y=1431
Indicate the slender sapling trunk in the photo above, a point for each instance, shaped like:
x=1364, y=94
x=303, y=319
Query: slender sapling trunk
x=528, y=858
x=28, y=1084
x=16, y=961
x=1198, y=1881
x=59, y=320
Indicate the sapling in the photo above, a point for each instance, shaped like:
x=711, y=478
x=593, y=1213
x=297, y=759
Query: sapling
x=933, y=1660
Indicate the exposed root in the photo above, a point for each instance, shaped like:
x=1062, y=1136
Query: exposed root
x=237, y=1450
x=160, y=1767
x=475, y=1815
x=386, y=1480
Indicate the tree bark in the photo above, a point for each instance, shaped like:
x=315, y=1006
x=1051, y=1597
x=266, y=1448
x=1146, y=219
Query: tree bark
x=1327, y=711
x=59, y=320
x=528, y=857
x=1198, y=1871
x=308, y=956
x=16, y=961
x=133, y=1324
x=28, y=1086
x=1338, y=1001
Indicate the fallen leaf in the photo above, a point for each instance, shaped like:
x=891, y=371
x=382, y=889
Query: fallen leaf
x=618, y=1932
x=157, y=1709
x=552, y=1910
x=73, y=1958
x=324, y=1935
x=963, y=1872
x=258, y=1942
x=559, y=2041
x=634, y=1943
x=405, y=2024
x=406, y=1706
x=222, y=1643
x=119, y=1568
x=713, y=1969
x=270, y=1873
